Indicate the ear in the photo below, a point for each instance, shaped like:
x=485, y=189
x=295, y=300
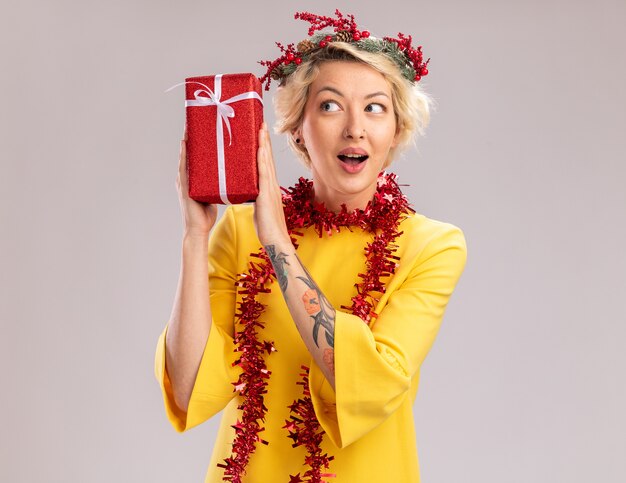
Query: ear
x=297, y=134
x=396, y=137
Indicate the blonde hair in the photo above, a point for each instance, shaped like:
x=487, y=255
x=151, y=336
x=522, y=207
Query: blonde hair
x=411, y=104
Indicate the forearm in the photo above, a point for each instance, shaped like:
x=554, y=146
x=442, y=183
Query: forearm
x=190, y=321
x=311, y=311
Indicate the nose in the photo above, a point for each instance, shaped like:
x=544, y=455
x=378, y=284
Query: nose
x=354, y=127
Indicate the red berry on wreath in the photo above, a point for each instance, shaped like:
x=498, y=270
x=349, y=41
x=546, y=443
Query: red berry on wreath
x=365, y=34
x=323, y=43
x=290, y=56
x=356, y=36
x=298, y=61
x=328, y=38
x=424, y=71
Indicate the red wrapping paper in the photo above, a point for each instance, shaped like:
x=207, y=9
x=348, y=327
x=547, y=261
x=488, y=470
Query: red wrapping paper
x=240, y=156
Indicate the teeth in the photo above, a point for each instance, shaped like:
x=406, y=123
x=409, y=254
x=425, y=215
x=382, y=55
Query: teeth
x=353, y=158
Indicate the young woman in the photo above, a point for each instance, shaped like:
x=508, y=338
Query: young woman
x=311, y=319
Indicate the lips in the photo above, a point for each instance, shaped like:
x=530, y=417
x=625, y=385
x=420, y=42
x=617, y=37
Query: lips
x=353, y=159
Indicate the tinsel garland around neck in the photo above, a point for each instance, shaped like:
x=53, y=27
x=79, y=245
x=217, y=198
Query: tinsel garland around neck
x=381, y=216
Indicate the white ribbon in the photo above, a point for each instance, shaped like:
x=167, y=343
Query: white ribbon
x=224, y=111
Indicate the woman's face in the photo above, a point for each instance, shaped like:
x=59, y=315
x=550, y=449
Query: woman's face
x=348, y=129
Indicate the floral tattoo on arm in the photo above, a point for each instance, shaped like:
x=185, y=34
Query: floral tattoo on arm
x=279, y=260
x=320, y=310
x=315, y=303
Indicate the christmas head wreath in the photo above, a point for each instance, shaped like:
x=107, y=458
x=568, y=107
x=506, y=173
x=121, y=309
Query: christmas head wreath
x=408, y=59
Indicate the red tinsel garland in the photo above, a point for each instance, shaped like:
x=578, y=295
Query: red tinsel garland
x=305, y=429
x=382, y=216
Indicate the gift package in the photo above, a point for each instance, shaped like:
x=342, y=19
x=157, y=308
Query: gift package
x=224, y=114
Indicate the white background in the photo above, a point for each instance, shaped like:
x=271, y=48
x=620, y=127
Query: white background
x=525, y=153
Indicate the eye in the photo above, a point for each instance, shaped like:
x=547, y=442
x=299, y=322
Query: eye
x=329, y=106
x=375, y=108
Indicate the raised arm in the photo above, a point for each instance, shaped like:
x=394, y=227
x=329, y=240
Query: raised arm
x=190, y=321
x=209, y=382
x=311, y=311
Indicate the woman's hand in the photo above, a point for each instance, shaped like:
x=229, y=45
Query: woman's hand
x=198, y=218
x=269, y=218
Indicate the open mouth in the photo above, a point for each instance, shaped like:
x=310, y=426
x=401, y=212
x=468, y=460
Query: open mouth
x=353, y=158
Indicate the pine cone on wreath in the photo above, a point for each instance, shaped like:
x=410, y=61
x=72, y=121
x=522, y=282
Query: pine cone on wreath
x=277, y=73
x=305, y=45
x=343, y=36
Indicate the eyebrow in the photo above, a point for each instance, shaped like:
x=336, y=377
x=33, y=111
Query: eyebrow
x=332, y=89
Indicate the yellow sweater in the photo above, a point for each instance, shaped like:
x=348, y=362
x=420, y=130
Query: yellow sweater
x=368, y=419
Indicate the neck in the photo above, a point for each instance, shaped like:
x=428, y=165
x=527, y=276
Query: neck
x=333, y=200
x=390, y=207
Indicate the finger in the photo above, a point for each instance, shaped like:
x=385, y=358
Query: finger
x=185, y=131
x=262, y=152
x=182, y=155
x=270, y=153
x=182, y=164
x=268, y=141
x=267, y=170
x=261, y=165
x=261, y=136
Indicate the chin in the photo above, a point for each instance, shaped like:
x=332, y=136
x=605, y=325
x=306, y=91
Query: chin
x=355, y=184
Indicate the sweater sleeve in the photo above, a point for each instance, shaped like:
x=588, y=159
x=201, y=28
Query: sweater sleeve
x=374, y=367
x=212, y=389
